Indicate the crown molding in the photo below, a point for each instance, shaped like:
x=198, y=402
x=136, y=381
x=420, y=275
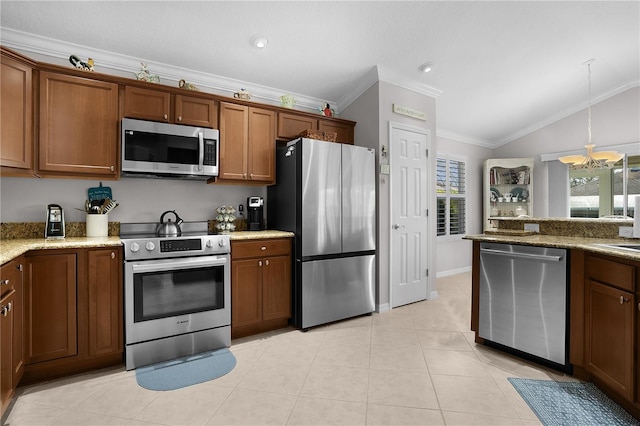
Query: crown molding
x=128, y=65
x=398, y=80
x=448, y=134
x=564, y=114
x=365, y=82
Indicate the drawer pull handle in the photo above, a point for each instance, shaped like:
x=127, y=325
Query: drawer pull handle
x=5, y=282
x=623, y=299
x=263, y=248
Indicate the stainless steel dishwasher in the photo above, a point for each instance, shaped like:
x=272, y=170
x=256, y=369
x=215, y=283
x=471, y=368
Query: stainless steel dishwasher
x=523, y=300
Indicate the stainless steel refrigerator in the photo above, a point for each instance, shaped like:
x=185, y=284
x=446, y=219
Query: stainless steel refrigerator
x=325, y=194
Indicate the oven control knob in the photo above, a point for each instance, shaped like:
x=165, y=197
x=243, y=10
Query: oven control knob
x=150, y=246
x=209, y=243
x=222, y=243
x=135, y=247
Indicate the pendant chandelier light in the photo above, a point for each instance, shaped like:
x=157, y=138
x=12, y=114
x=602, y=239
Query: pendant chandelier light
x=593, y=160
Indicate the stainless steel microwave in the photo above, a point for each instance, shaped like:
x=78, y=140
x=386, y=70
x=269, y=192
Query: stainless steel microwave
x=151, y=149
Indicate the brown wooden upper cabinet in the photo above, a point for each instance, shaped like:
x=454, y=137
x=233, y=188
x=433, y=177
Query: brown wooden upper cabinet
x=344, y=130
x=290, y=125
x=247, y=144
x=78, y=127
x=157, y=105
x=16, y=140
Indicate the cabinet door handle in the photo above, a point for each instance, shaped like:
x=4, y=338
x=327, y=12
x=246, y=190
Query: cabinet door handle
x=266, y=262
x=251, y=175
x=259, y=262
x=112, y=168
x=179, y=118
x=4, y=311
x=19, y=267
x=113, y=255
x=623, y=299
x=166, y=116
x=4, y=282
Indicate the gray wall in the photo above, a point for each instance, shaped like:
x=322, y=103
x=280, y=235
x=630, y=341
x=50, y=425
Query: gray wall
x=373, y=112
x=141, y=200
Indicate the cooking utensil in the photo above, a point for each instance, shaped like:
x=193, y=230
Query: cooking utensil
x=169, y=229
x=109, y=205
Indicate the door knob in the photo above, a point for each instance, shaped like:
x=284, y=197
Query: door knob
x=396, y=226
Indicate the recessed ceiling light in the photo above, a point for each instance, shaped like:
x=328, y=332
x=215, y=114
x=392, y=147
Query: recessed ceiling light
x=427, y=67
x=259, y=42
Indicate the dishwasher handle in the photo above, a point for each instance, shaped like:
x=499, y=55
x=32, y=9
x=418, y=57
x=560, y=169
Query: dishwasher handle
x=522, y=255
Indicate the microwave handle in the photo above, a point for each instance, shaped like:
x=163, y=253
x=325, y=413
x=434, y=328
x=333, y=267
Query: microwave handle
x=201, y=151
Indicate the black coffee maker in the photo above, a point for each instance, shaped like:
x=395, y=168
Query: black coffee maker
x=255, y=213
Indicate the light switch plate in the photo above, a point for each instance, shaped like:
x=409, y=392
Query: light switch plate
x=384, y=169
x=535, y=227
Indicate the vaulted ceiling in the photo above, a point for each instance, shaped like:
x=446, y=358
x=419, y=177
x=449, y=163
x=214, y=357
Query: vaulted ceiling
x=500, y=69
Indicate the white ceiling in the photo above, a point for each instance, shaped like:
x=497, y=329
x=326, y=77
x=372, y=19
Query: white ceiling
x=500, y=69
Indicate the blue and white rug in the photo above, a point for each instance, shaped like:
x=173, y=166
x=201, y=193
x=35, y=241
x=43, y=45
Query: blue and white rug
x=186, y=371
x=571, y=403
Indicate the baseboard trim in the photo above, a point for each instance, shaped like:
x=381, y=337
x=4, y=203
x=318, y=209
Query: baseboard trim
x=453, y=272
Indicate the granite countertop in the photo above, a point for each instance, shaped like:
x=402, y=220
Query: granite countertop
x=258, y=235
x=582, y=243
x=10, y=249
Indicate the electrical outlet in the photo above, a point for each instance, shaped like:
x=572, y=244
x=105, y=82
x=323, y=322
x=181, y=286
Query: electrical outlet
x=625, y=231
x=535, y=227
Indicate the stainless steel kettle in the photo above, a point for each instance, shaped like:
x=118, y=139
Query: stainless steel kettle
x=168, y=228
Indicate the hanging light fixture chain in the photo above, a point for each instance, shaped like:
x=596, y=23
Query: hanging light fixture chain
x=589, y=105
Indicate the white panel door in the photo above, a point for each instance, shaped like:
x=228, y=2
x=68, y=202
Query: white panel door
x=409, y=223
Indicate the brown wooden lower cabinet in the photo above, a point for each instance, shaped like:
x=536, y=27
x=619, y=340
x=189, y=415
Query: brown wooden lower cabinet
x=11, y=329
x=73, y=311
x=51, y=316
x=260, y=285
x=609, y=337
x=609, y=291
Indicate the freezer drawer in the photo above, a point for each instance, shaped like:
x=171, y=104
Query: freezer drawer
x=335, y=289
x=523, y=299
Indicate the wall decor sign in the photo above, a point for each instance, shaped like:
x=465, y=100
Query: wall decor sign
x=409, y=112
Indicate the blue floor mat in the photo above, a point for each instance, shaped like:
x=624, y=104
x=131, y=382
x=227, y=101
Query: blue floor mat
x=186, y=371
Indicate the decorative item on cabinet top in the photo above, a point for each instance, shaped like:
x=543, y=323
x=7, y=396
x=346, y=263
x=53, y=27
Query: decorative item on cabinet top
x=183, y=84
x=81, y=65
x=287, y=101
x=145, y=75
x=242, y=94
x=320, y=135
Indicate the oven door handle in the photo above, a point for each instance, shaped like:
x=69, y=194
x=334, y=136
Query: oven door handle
x=177, y=264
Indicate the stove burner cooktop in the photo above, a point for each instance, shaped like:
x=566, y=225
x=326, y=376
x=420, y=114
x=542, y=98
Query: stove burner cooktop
x=141, y=242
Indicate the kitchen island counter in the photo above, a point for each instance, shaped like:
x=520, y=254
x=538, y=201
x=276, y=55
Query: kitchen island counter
x=583, y=243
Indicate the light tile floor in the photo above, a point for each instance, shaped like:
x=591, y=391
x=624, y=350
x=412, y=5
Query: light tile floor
x=417, y=364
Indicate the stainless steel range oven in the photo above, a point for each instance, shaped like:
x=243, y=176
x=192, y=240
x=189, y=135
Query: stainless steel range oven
x=176, y=291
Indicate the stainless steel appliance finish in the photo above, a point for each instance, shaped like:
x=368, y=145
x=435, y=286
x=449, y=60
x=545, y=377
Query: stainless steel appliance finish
x=151, y=149
x=177, y=292
x=336, y=288
x=325, y=194
x=523, y=299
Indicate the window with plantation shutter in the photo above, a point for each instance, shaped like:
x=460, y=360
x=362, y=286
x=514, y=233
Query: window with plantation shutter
x=451, y=195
